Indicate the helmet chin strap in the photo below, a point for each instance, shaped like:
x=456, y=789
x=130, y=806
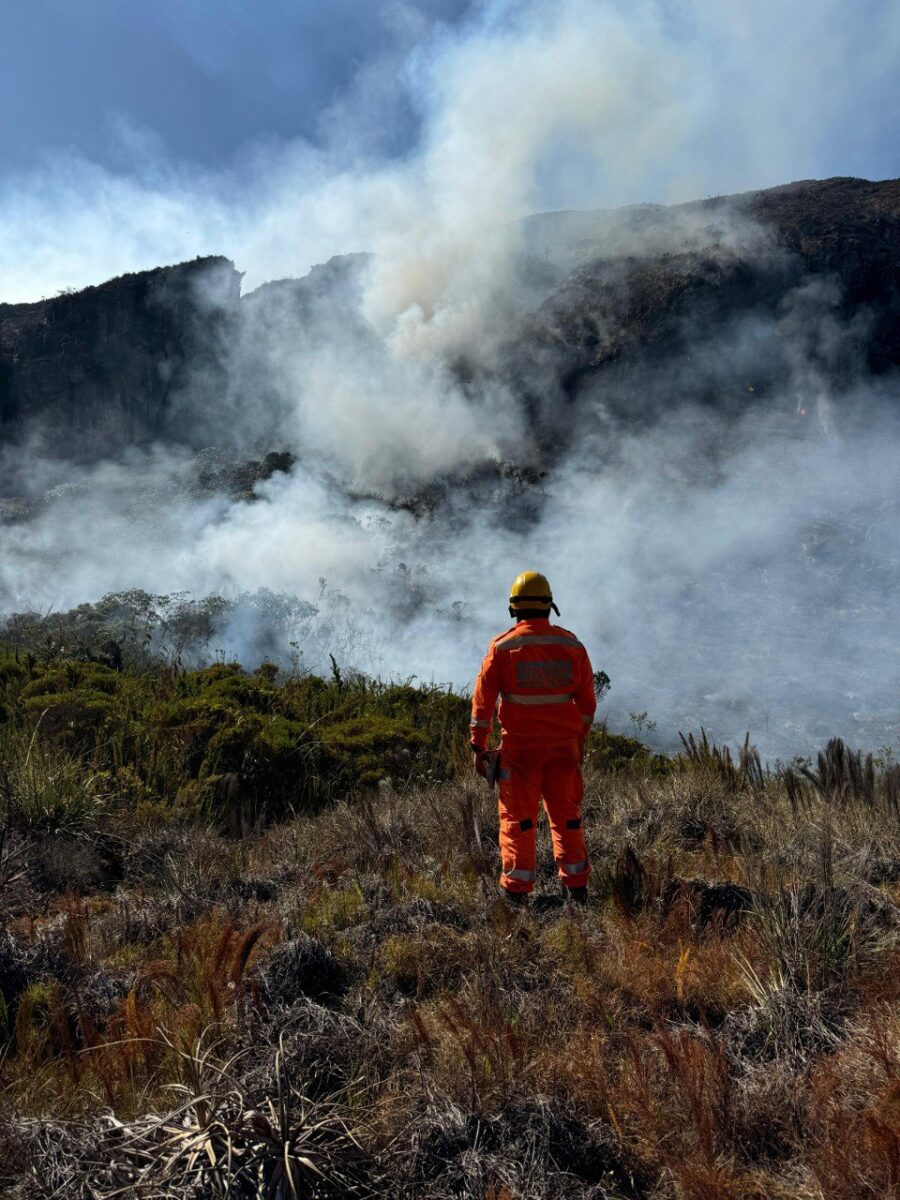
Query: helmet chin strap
x=555, y=609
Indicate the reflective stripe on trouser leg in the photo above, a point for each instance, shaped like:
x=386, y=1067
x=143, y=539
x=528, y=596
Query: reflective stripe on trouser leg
x=518, y=802
x=563, y=790
x=574, y=868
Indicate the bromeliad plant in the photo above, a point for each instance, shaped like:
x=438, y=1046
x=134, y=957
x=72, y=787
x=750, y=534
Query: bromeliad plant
x=218, y=1142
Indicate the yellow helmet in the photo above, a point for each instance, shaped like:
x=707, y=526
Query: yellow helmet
x=531, y=590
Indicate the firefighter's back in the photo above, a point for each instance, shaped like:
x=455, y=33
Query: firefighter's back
x=542, y=668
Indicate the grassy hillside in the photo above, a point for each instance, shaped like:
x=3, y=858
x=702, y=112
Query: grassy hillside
x=251, y=940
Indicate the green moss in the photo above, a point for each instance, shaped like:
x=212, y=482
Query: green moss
x=332, y=911
x=431, y=960
x=35, y=1017
x=368, y=749
x=450, y=888
x=565, y=949
x=40, y=995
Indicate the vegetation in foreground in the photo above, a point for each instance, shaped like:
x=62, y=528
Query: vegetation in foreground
x=252, y=945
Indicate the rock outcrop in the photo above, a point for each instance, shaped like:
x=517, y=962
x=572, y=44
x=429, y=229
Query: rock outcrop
x=90, y=372
x=725, y=301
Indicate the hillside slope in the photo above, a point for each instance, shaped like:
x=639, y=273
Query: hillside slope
x=794, y=290
x=813, y=267
x=95, y=370
x=195, y=997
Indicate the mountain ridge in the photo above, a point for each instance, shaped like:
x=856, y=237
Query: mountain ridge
x=122, y=362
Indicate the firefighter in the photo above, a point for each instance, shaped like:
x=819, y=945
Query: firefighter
x=542, y=676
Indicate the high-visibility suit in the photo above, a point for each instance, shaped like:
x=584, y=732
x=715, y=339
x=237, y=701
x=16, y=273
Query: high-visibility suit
x=542, y=676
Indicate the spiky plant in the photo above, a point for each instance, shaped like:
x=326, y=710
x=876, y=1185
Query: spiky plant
x=220, y=1141
x=43, y=789
x=297, y=1148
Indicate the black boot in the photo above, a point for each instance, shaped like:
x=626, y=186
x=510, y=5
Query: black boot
x=514, y=899
x=577, y=895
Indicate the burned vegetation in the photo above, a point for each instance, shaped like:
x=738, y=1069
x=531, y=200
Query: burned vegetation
x=252, y=946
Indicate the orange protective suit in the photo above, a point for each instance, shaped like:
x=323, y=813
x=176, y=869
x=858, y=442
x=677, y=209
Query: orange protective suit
x=542, y=676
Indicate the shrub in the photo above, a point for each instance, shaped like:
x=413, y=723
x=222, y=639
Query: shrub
x=367, y=749
x=618, y=752
x=75, y=718
x=284, y=742
x=71, y=677
x=12, y=672
x=264, y=752
x=187, y=726
x=301, y=967
x=12, y=676
x=220, y=1140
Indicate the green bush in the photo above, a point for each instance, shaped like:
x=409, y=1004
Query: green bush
x=367, y=749
x=218, y=738
x=12, y=672
x=186, y=727
x=229, y=684
x=73, y=676
x=76, y=717
x=264, y=752
x=618, y=752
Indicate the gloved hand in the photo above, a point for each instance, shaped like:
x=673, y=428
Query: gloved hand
x=480, y=760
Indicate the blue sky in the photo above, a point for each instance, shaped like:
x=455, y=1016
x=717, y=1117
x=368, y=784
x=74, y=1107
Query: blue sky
x=280, y=132
x=206, y=76
x=209, y=77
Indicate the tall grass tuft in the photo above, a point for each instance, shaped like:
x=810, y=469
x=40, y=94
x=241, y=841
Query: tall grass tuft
x=44, y=789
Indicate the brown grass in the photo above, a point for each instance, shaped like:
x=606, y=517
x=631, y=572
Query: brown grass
x=693, y=1051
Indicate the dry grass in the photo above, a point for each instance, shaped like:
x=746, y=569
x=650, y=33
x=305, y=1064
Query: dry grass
x=722, y=1022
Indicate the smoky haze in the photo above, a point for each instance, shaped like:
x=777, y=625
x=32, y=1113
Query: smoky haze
x=719, y=523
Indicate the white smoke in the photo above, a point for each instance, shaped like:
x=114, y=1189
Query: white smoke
x=526, y=106
x=748, y=587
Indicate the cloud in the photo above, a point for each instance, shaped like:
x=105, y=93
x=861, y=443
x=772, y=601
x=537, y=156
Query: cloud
x=520, y=107
x=743, y=586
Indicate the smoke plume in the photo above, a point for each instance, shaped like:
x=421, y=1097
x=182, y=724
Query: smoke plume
x=726, y=566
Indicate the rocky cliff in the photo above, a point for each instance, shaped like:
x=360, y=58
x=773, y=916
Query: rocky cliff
x=794, y=290
x=89, y=372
